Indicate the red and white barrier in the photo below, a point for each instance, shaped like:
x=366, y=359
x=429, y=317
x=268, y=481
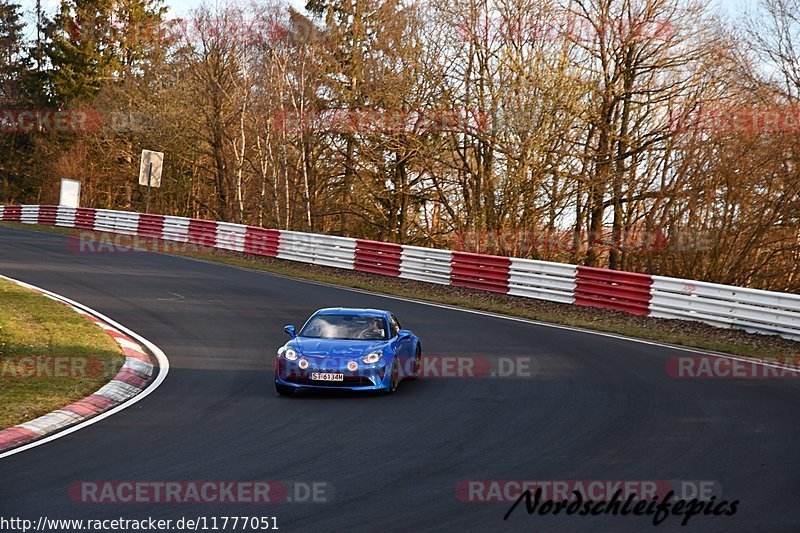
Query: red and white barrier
x=48, y=215
x=29, y=214
x=231, y=236
x=175, y=229
x=542, y=280
x=65, y=217
x=325, y=250
x=261, y=241
x=150, y=226
x=378, y=257
x=483, y=272
x=725, y=306
x=426, y=264
x=85, y=218
x=612, y=289
x=202, y=232
x=12, y=213
x=641, y=294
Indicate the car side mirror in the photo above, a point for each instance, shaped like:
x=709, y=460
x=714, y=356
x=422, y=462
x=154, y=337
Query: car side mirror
x=403, y=333
x=290, y=331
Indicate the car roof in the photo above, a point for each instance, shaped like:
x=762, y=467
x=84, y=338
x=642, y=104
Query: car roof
x=352, y=311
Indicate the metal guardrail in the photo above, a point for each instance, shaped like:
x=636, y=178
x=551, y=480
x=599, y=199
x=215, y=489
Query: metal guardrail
x=483, y=272
x=318, y=249
x=231, y=236
x=378, y=257
x=656, y=296
x=150, y=226
x=261, y=241
x=426, y=264
x=175, y=229
x=613, y=289
x=542, y=280
x=725, y=306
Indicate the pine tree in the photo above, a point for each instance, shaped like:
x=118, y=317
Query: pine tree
x=81, y=49
x=140, y=36
x=14, y=63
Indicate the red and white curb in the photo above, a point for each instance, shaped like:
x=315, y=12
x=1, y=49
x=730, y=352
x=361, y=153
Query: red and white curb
x=126, y=388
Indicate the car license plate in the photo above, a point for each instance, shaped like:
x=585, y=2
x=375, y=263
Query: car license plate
x=326, y=376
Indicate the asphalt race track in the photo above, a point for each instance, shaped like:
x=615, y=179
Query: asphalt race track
x=594, y=408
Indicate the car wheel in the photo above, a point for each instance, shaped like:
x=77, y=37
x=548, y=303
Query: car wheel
x=394, y=379
x=417, y=362
x=283, y=390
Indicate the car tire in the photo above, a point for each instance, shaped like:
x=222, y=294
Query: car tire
x=394, y=378
x=417, y=363
x=283, y=390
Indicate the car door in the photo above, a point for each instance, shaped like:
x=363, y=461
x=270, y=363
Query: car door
x=402, y=345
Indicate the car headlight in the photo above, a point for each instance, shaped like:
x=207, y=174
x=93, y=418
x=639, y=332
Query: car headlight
x=290, y=354
x=373, y=357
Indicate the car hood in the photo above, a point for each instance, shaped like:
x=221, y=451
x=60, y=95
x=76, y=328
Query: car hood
x=335, y=347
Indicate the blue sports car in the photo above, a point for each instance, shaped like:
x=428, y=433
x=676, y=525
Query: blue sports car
x=355, y=349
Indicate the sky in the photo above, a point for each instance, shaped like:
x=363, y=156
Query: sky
x=182, y=8
x=178, y=8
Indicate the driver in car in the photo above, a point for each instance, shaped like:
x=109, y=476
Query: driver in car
x=375, y=329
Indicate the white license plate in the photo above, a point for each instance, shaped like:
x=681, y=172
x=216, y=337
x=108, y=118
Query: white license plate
x=326, y=376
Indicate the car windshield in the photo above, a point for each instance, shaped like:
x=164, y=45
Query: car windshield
x=350, y=327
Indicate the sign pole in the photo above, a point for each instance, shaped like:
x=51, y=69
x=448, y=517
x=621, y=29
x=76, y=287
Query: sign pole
x=150, y=169
x=149, y=173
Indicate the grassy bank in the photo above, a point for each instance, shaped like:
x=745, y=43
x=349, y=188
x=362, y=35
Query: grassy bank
x=50, y=355
x=679, y=332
